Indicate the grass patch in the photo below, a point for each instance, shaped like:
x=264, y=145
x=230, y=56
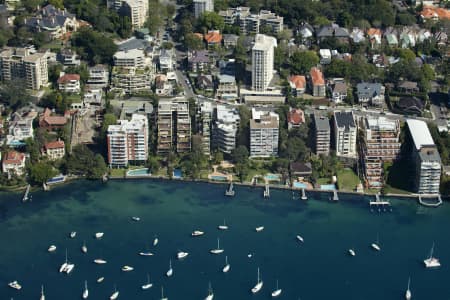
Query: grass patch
x=117, y=172
x=347, y=180
x=323, y=181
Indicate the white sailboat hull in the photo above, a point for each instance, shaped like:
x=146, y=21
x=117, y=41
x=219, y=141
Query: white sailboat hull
x=85, y=294
x=169, y=273
x=257, y=287
x=216, y=251
x=375, y=247
x=408, y=295
x=147, y=286
x=276, y=293
x=432, y=263
x=226, y=269
x=114, y=296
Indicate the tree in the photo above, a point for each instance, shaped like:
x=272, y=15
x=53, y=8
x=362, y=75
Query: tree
x=192, y=42
x=210, y=21
x=57, y=3
x=153, y=164
x=302, y=61
x=41, y=172
x=14, y=94
x=243, y=134
x=83, y=162
x=240, y=155
x=94, y=46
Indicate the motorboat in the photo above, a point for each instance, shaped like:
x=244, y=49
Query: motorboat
x=42, y=293
x=99, y=235
x=300, y=238
x=249, y=255
x=114, y=295
x=15, y=285
x=258, y=286
x=127, y=268
x=146, y=253
x=169, y=272
x=52, y=248
x=223, y=227
x=259, y=228
x=227, y=266
x=351, y=252
x=84, y=248
x=197, y=233
x=276, y=292
x=408, y=294
x=137, y=219
x=181, y=254
x=210, y=293
x=100, y=279
x=86, y=291
x=162, y=294
x=100, y=261
x=148, y=284
x=432, y=262
x=217, y=250
x=155, y=241
x=376, y=245
x=73, y=234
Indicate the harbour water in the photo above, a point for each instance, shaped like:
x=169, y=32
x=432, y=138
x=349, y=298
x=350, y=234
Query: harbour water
x=320, y=268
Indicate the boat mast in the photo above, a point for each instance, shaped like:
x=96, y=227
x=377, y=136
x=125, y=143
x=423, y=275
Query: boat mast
x=258, y=276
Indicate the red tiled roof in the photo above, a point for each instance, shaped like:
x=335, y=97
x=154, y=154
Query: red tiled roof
x=14, y=157
x=298, y=80
x=55, y=120
x=213, y=37
x=373, y=31
x=54, y=145
x=68, y=77
x=430, y=12
x=296, y=116
x=316, y=76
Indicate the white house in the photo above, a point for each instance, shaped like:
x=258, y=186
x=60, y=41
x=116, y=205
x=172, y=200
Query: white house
x=13, y=163
x=69, y=83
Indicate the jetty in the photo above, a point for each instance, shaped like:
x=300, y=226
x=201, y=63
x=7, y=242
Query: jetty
x=304, y=197
x=379, y=203
x=267, y=191
x=25, y=196
x=335, y=196
x=430, y=201
x=230, y=191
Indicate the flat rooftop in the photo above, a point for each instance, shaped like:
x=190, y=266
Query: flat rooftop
x=420, y=133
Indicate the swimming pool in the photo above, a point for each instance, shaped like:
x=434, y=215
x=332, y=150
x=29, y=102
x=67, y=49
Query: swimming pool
x=328, y=187
x=300, y=185
x=177, y=173
x=272, y=177
x=56, y=179
x=139, y=172
x=219, y=177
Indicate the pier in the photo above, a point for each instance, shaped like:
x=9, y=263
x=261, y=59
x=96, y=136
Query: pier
x=381, y=204
x=25, y=196
x=335, y=196
x=425, y=201
x=267, y=191
x=304, y=197
x=230, y=192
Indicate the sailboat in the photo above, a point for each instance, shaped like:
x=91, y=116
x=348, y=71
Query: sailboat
x=224, y=226
x=64, y=265
x=52, y=248
x=432, y=262
x=277, y=292
x=351, y=252
x=42, y=293
x=170, y=271
x=227, y=267
x=84, y=248
x=182, y=254
x=210, y=293
x=73, y=234
x=258, y=286
x=376, y=245
x=217, y=250
x=155, y=241
x=408, y=291
x=148, y=284
x=99, y=235
x=162, y=294
x=86, y=291
x=114, y=295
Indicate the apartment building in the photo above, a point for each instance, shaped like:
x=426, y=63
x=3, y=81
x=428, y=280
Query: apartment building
x=252, y=23
x=24, y=64
x=136, y=10
x=98, y=77
x=317, y=83
x=174, y=126
x=201, y=6
x=69, y=83
x=381, y=144
x=262, y=61
x=204, y=121
x=264, y=127
x=225, y=127
x=322, y=134
x=345, y=132
x=131, y=58
x=425, y=157
x=128, y=141
x=131, y=80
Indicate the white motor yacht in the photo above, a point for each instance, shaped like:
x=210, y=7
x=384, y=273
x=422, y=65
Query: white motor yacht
x=258, y=286
x=52, y=248
x=86, y=291
x=137, y=219
x=227, y=266
x=73, y=234
x=351, y=252
x=300, y=238
x=99, y=235
x=100, y=261
x=259, y=228
x=181, y=254
x=148, y=284
x=127, y=268
x=100, y=279
x=276, y=292
x=15, y=285
x=169, y=272
x=197, y=233
x=432, y=262
x=217, y=250
x=146, y=253
x=84, y=248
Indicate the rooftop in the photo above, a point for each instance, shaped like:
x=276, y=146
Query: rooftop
x=298, y=81
x=264, y=42
x=213, y=37
x=322, y=123
x=54, y=145
x=344, y=119
x=381, y=123
x=420, y=133
x=68, y=77
x=317, y=76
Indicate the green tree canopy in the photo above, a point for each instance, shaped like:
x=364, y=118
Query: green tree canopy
x=41, y=172
x=14, y=94
x=94, y=46
x=83, y=162
x=302, y=61
x=240, y=155
x=210, y=21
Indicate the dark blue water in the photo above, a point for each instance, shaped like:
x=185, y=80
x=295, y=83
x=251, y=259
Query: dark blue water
x=318, y=269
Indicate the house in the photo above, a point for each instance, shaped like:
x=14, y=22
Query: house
x=297, y=84
x=49, y=122
x=391, y=36
x=408, y=87
x=295, y=118
x=226, y=87
x=357, y=35
x=162, y=85
x=434, y=13
x=306, y=34
x=92, y=96
x=333, y=31
x=67, y=57
x=69, y=83
x=53, y=21
x=13, y=163
x=408, y=38
x=410, y=105
x=230, y=40
x=166, y=60
x=370, y=92
x=325, y=56
x=213, y=38
x=300, y=169
x=374, y=35
x=339, y=91
x=205, y=82
x=198, y=61
x=54, y=150
x=20, y=128
x=317, y=83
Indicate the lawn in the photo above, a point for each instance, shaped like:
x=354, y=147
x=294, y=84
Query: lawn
x=321, y=181
x=347, y=180
x=117, y=172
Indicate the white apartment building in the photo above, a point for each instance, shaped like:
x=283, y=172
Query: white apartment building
x=322, y=134
x=132, y=58
x=69, y=83
x=225, y=128
x=200, y=6
x=204, y=120
x=262, y=61
x=128, y=141
x=98, y=77
x=23, y=63
x=345, y=132
x=20, y=128
x=264, y=128
x=136, y=10
x=130, y=80
x=426, y=158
